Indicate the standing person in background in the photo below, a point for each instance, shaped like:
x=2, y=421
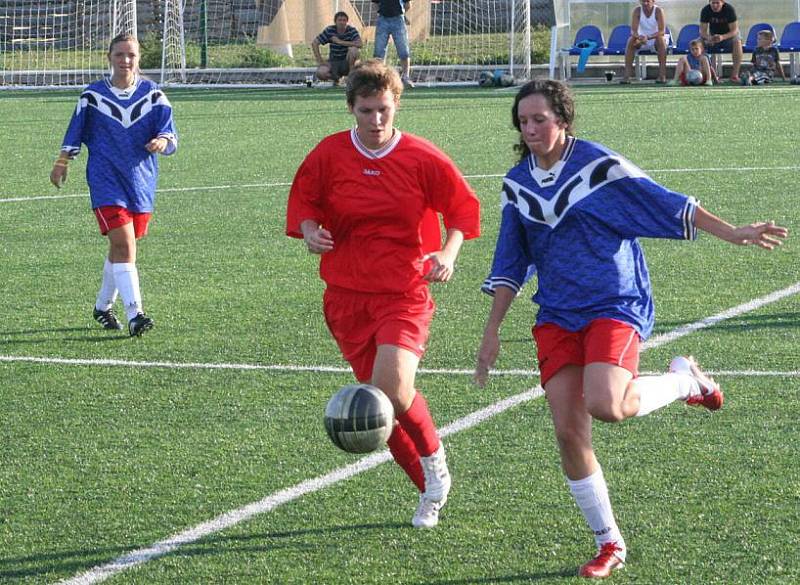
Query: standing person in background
x=572, y=213
x=719, y=29
x=648, y=31
x=367, y=201
x=345, y=47
x=392, y=22
x=125, y=121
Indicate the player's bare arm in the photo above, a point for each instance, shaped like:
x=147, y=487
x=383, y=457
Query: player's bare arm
x=490, y=343
x=59, y=173
x=764, y=234
x=318, y=240
x=443, y=261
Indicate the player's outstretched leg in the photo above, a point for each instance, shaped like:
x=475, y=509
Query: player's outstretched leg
x=708, y=392
x=609, y=557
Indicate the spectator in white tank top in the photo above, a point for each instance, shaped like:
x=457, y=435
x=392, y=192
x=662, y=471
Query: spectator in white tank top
x=648, y=31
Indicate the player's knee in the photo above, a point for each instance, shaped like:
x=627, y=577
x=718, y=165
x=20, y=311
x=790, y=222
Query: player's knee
x=571, y=440
x=606, y=411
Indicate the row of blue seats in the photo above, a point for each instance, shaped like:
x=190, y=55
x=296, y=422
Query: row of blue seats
x=789, y=41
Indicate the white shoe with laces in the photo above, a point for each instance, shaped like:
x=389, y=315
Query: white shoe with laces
x=437, y=486
x=427, y=514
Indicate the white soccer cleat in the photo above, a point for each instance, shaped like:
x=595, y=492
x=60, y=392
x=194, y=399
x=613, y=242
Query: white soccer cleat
x=437, y=476
x=427, y=514
x=710, y=394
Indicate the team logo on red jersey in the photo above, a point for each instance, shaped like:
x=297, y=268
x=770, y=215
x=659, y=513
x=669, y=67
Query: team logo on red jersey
x=371, y=172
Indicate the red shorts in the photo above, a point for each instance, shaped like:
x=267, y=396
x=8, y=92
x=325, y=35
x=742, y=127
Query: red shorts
x=604, y=340
x=110, y=217
x=360, y=322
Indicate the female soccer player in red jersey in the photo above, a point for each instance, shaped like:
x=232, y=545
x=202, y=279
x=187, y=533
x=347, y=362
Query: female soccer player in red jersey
x=573, y=211
x=367, y=200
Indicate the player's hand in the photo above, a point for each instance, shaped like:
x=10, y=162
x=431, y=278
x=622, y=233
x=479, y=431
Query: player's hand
x=318, y=240
x=764, y=234
x=442, y=266
x=158, y=145
x=487, y=355
x=58, y=175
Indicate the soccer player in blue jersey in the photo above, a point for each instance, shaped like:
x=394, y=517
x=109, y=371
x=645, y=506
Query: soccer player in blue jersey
x=125, y=121
x=572, y=211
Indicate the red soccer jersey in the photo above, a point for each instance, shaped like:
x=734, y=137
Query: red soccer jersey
x=380, y=208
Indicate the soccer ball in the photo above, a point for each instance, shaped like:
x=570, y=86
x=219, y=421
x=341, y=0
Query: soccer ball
x=359, y=418
x=694, y=77
x=486, y=79
x=506, y=80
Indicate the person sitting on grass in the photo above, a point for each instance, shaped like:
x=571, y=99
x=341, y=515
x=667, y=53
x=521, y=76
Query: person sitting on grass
x=766, y=61
x=345, y=44
x=695, y=60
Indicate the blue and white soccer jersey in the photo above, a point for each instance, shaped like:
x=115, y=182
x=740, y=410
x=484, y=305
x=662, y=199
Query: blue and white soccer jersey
x=576, y=225
x=115, y=125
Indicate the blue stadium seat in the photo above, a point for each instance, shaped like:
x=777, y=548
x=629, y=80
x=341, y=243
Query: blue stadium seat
x=752, y=36
x=686, y=35
x=588, y=33
x=790, y=43
x=618, y=40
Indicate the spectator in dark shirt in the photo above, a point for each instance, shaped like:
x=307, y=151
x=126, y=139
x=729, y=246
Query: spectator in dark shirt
x=719, y=29
x=345, y=43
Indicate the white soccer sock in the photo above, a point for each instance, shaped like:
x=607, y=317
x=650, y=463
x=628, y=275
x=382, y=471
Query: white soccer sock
x=108, y=289
x=591, y=495
x=127, y=279
x=657, y=391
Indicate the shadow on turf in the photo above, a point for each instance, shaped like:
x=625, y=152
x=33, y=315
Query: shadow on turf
x=520, y=578
x=95, y=335
x=77, y=561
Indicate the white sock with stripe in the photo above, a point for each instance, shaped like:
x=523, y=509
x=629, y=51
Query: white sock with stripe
x=657, y=391
x=108, y=289
x=591, y=495
x=127, y=279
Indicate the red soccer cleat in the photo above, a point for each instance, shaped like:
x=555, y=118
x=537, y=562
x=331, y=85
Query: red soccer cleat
x=608, y=559
x=710, y=395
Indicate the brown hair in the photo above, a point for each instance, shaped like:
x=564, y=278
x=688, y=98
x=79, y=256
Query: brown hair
x=698, y=41
x=559, y=98
x=121, y=38
x=370, y=78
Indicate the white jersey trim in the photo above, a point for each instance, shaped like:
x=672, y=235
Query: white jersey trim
x=382, y=152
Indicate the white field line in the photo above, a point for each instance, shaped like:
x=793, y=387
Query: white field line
x=287, y=368
x=286, y=184
x=228, y=519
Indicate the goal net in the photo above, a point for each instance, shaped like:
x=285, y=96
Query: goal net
x=59, y=42
x=259, y=42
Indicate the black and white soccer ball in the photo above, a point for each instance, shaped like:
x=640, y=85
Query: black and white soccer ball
x=359, y=418
x=486, y=79
x=506, y=80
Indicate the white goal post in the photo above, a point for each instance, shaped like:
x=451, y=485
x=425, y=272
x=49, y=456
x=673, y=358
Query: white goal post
x=63, y=43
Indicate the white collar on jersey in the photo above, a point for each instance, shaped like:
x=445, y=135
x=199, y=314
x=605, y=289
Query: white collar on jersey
x=123, y=94
x=379, y=153
x=549, y=177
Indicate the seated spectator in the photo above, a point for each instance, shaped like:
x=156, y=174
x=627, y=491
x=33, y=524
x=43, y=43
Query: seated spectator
x=345, y=43
x=696, y=60
x=720, y=32
x=766, y=61
x=648, y=26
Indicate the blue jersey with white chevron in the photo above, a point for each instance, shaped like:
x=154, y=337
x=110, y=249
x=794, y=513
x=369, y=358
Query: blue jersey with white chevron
x=115, y=126
x=576, y=226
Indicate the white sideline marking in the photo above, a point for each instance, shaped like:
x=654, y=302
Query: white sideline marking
x=285, y=184
x=338, y=369
x=223, y=521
